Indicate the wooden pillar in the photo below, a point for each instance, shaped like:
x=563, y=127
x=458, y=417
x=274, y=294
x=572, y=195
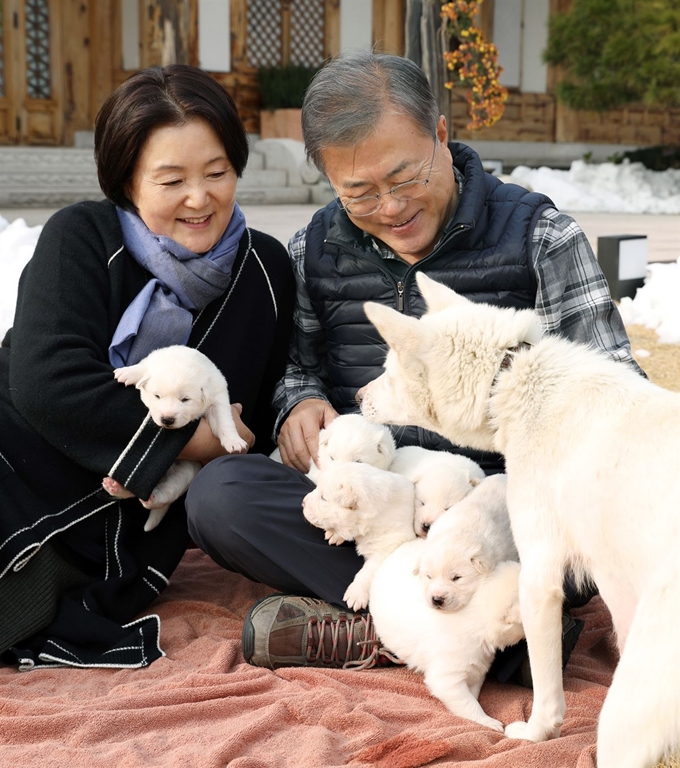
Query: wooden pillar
x=388, y=26
x=332, y=28
x=166, y=32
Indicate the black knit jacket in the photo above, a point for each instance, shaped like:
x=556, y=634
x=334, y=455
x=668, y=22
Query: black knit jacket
x=65, y=422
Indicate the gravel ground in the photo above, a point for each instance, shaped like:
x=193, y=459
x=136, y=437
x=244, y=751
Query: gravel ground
x=662, y=366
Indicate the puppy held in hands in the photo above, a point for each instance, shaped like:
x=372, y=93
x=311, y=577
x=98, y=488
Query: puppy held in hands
x=441, y=480
x=370, y=506
x=178, y=385
x=465, y=544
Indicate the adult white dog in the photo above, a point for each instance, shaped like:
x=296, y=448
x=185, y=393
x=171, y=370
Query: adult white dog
x=178, y=385
x=591, y=451
x=465, y=544
x=441, y=479
x=370, y=506
x=453, y=650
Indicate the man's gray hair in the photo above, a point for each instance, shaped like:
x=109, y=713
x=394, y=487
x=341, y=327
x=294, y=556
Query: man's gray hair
x=347, y=98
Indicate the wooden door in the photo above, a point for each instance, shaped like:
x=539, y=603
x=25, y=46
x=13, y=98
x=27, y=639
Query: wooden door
x=31, y=111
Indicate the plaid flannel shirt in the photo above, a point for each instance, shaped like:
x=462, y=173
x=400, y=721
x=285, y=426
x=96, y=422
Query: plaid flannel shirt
x=572, y=300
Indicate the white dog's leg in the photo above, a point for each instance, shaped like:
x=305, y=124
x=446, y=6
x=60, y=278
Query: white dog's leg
x=114, y=488
x=540, y=598
x=155, y=516
x=356, y=595
x=451, y=688
x=222, y=425
x=640, y=718
x=130, y=374
x=170, y=487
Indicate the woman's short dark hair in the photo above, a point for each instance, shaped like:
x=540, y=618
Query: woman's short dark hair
x=150, y=99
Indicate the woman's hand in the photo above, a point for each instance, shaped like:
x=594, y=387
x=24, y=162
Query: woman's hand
x=205, y=447
x=299, y=435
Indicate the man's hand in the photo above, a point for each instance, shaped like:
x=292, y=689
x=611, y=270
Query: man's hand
x=299, y=435
x=205, y=447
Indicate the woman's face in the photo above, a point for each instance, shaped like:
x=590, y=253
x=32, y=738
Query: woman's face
x=184, y=186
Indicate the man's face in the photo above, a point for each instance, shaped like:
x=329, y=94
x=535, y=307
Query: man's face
x=397, y=152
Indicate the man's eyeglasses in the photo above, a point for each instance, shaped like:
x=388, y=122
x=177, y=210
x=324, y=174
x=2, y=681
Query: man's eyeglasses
x=409, y=190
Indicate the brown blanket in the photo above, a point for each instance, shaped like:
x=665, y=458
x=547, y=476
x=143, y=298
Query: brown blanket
x=203, y=707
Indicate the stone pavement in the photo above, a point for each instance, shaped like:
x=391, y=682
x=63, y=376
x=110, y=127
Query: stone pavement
x=282, y=221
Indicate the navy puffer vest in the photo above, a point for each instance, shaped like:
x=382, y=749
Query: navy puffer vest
x=484, y=254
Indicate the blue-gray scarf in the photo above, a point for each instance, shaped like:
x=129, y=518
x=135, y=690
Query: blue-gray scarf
x=161, y=313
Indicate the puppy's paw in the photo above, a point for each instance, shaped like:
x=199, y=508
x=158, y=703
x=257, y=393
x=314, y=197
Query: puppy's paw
x=128, y=375
x=356, y=596
x=333, y=538
x=530, y=731
x=234, y=444
x=495, y=725
x=114, y=488
x=155, y=516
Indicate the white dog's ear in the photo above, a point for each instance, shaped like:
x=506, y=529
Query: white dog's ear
x=141, y=383
x=401, y=332
x=437, y=295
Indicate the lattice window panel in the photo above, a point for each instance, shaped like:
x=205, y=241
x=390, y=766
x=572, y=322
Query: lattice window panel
x=307, y=32
x=39, y=85
x=265, y=32
x=2, y=49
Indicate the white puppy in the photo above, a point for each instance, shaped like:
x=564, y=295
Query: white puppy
x=453, y=650
x=351, y=437
x=591, y=453
x=370, y=506
x=465, y=544
x=178, y=385
x=441, y=479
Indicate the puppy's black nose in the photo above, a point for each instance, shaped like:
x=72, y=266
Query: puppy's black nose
x=425, y=527
x=437, y=601
x=168, y=420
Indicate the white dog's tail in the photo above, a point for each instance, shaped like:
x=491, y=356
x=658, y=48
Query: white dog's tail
x=640, y=719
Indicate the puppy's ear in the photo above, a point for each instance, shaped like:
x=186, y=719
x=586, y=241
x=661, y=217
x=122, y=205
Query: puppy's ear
x=346, y=497
x=204, y=396
x=142, y=382
x=438, y=296
x=401, y=332
x=481, y=563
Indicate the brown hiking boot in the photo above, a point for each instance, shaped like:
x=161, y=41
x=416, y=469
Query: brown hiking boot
x=291, y=631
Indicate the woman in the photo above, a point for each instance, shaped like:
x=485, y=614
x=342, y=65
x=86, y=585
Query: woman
x=166, y=259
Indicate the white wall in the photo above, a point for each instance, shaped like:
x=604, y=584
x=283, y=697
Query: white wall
x=535, y=40
x=130, y=33
x=521, y=35
x=356, y=24
x=214, y=35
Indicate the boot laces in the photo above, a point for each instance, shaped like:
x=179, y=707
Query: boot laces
x=371, y=651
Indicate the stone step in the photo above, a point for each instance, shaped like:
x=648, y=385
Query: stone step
x=56, y=176
x=262, y=178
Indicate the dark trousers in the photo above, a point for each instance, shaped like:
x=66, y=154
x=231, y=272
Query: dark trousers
x=246, y=513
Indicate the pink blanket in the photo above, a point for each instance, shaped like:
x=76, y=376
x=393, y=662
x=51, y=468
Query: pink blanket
x=203, y=707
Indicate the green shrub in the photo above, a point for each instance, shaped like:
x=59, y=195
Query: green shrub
x=284, y=87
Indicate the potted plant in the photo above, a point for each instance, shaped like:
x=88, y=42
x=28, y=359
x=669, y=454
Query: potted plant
x=282, y=90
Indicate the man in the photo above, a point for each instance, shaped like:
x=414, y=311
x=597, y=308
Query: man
x=406, y=201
